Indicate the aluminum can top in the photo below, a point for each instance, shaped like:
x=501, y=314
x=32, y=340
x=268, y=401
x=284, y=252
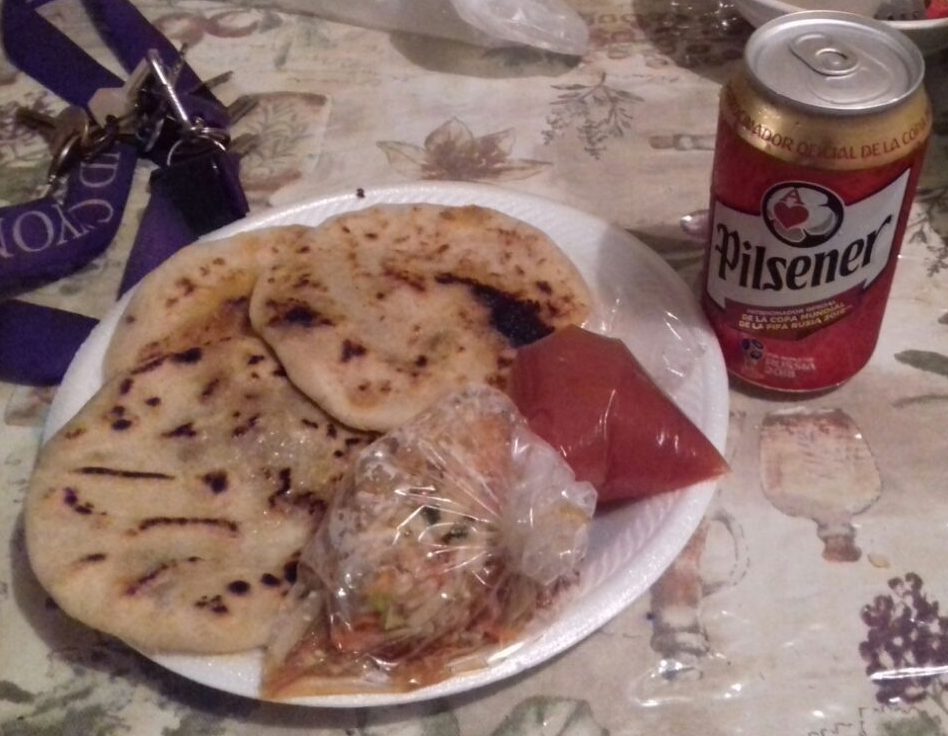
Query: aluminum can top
x=833, y=63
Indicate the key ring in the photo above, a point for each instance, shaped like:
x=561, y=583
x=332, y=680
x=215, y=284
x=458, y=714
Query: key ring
x=201, y=138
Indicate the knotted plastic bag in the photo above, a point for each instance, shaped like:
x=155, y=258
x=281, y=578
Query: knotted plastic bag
x=546, y=24
x=445, y=540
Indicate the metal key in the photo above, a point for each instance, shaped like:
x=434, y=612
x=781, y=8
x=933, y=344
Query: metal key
x=241, y=106
x=65, y=133
x=244, y=144
x=208, y=85
x=71, y=118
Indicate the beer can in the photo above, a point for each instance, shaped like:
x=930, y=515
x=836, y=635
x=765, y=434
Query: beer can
x=820, y=142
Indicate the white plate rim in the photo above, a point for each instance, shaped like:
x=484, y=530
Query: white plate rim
x=239, y=673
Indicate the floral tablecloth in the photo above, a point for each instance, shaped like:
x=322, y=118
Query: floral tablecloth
x=789, y=592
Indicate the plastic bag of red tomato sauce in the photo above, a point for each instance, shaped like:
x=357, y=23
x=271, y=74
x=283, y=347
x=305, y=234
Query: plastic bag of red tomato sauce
x=588, y=396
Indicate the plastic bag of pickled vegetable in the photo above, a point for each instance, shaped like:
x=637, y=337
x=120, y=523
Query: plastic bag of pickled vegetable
x=448, y=537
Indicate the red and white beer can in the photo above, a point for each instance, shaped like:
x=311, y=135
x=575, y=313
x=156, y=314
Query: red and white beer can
x=820, y=143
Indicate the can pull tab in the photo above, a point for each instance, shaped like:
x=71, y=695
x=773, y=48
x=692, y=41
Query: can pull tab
x=824, y=55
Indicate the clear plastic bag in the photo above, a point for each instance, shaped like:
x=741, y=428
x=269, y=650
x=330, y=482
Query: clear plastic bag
x=447, y=537
x=547, y=24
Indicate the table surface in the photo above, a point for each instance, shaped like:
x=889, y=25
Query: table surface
x=758, y=627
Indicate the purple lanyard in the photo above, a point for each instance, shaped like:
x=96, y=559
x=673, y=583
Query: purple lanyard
x=46, y=239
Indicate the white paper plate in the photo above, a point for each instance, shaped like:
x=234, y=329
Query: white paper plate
x=643, y=302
